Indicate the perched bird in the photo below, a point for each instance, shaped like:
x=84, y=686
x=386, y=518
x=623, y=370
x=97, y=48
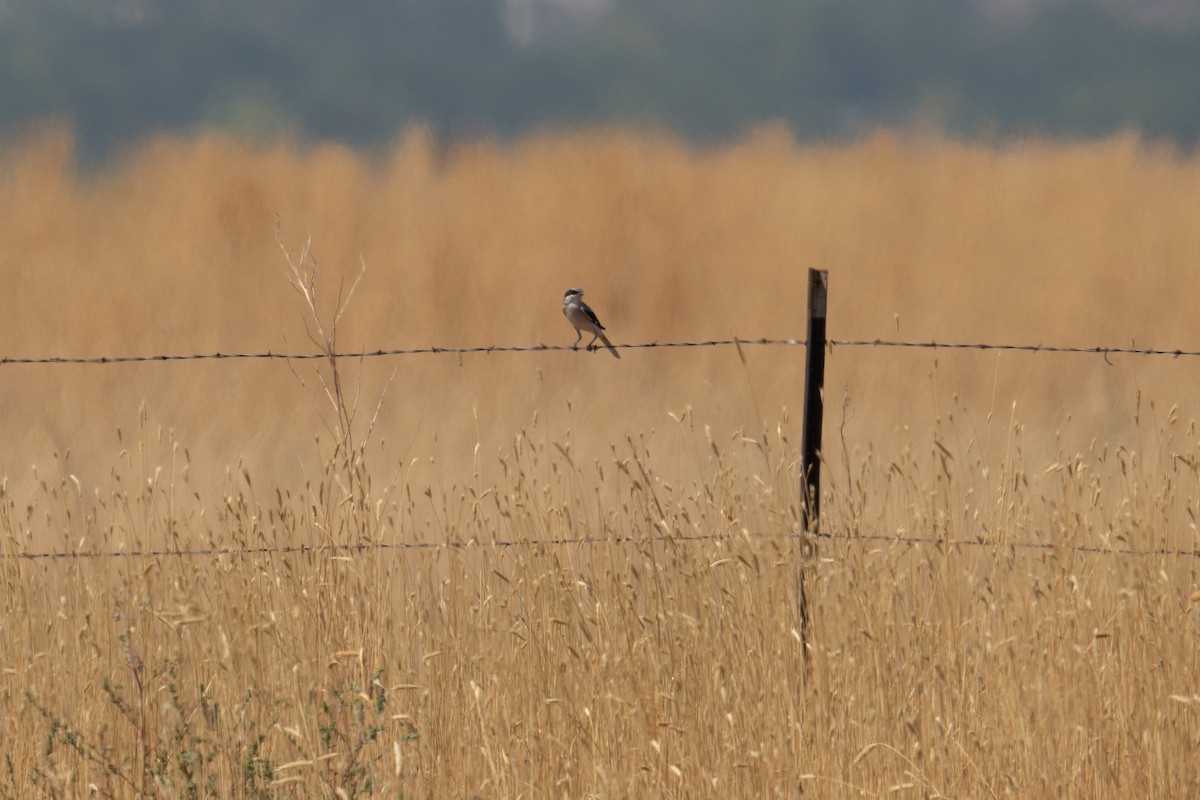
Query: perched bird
x=584, y=320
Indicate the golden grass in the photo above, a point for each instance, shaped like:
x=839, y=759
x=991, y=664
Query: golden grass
x=641, y=662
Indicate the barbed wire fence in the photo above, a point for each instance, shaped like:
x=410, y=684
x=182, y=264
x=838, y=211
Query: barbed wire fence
x=831, y=344
x=589, y=541
x=1100, y=350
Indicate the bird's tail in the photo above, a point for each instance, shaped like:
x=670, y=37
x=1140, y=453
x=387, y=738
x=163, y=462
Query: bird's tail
x=608, y=344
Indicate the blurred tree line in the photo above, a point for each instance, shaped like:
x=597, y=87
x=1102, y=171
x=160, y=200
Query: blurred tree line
x=361, y=70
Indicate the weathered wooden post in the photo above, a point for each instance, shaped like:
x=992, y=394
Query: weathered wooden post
x=810, y=445
x=814, y=389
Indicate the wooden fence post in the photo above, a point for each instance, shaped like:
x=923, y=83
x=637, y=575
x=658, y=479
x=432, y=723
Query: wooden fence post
x=814, y=389
x=810, y=465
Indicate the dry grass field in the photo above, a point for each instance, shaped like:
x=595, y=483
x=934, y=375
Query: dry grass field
x=431, y=642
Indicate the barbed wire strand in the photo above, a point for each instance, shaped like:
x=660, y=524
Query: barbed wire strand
x=1028, y=348
x=1100, y=350
x=400, y=351
x=911, y=541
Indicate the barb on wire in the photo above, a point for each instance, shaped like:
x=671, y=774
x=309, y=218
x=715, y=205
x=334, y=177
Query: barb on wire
x=584, y=541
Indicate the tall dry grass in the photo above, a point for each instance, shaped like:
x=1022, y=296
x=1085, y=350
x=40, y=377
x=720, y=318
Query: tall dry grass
x=642, y=661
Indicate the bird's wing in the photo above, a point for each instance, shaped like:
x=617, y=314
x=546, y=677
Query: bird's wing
x=586, y=309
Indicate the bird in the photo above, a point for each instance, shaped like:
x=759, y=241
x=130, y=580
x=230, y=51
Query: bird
x=584, y=321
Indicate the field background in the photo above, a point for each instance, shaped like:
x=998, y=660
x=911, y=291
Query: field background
x=173, y=251
x=635, y=667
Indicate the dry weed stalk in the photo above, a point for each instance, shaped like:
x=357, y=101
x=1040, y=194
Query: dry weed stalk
x=346, y=465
